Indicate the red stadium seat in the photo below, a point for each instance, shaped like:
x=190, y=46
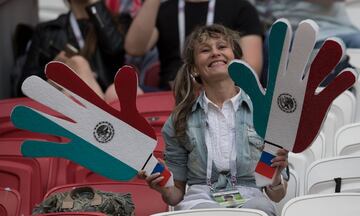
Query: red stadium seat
x=156, y=108
x=23, y=178
x=146, y=200
x=152, y=77
x=76, y=173
x=48, y=166
x=160, y=103
x=11, y=138
x=79, y=174
x=7, y=129
x=9, y=202
x=153, y=105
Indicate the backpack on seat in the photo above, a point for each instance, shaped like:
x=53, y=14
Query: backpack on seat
x=86, y=199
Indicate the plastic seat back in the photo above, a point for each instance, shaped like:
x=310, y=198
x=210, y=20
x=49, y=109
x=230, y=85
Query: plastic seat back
x=329, y=129
x=23, y=178
x=341, y=112
x=328, y=175
x=347, y=140
x=323, y=204
x=215, y=212
x=293, y=190
x=9, y=202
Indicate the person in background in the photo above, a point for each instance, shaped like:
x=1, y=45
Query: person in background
x=87, y=38
x=330, y=15
x=211, y=143
x=143, y=63
x=167, y=23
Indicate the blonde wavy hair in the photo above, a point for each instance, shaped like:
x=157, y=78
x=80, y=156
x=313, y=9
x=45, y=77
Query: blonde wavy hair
x=186, y=89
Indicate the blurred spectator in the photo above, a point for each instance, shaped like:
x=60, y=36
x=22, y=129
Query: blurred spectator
x=145, y=62
x=330, y=15
x=167, y=23
x=124, y=6
x=86, y=37
x=13, y=15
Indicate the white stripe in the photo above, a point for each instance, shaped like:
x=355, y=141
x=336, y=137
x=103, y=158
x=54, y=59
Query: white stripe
x=128, y=144
x=181, y=20
x=76, y=29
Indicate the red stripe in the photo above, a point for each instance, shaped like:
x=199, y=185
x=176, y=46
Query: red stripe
x=166, y=174
x=265, y=170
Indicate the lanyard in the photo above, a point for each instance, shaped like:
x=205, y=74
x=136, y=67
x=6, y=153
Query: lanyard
x=76, y=29
x=209, y=145
x=181, y=19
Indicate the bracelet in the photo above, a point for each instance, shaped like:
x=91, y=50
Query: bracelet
x=277, y=187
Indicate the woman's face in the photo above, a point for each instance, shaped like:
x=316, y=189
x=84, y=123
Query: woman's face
x=212, y=58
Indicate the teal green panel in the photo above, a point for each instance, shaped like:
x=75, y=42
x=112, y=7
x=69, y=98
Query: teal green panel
x=244, y=78
x=77, y=150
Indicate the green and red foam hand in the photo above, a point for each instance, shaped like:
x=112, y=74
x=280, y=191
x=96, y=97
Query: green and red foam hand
x=115, y=144
x=290, y=112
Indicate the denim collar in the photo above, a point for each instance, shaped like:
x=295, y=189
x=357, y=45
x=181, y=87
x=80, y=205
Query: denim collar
x=243, y=99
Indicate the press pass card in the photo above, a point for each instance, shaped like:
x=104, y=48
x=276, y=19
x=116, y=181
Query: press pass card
x=229, y=198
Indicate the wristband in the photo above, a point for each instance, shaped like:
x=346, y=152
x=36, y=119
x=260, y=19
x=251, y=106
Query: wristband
x=277, y=187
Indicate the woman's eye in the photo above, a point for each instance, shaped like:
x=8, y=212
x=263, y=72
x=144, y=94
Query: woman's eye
x=223, y=46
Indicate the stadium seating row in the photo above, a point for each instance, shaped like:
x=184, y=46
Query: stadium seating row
x=339, y=136
x=30, y=180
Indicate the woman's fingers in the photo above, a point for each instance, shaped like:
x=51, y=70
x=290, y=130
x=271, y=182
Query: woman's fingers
x=281, y=160
x=141, y=174
x=153, y=180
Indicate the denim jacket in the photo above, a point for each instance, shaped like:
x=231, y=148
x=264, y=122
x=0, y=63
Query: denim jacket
x=188, y=160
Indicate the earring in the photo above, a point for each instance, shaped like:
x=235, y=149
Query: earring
x=195, y=77
x=192, y=77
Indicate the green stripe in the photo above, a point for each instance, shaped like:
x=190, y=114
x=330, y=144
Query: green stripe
x=77, y=150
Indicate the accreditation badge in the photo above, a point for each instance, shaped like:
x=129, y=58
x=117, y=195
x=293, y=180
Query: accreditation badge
x=228, y=198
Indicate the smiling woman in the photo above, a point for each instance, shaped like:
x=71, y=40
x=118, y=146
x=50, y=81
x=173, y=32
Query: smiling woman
x=213, y=55
x=208, y=145
x=207, y=49
x=212, y=52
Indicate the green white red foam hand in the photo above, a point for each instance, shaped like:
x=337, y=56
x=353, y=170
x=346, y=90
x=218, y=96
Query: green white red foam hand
x=112, y=143
x=289, y=113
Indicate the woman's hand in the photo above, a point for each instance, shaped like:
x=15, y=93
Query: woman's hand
x=171, y=195
x=152, y=180
x=281, y=160
x=277, y=190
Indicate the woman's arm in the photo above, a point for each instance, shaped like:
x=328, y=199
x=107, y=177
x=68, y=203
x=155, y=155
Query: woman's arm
x=276, y=192
x=251, y=46
x=171, y=195
x=142, y=34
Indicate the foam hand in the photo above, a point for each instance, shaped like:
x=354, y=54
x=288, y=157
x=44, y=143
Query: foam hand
x=289, y=113
x=111, y=143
